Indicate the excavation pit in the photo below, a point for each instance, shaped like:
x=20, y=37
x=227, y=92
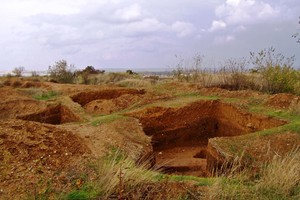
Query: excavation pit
x=180, y=135
x=57, y=114
x=84, y=98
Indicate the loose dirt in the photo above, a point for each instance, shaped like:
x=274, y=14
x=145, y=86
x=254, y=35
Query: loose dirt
x=31, y=152
x=281, y=100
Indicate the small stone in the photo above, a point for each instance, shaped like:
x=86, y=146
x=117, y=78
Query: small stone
x=160, y=153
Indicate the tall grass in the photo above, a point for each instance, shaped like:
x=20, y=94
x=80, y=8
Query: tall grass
x=277, y=179
x=117, y=175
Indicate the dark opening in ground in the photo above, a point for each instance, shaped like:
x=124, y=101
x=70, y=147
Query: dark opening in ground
x=84, y=98
x=58, y=114
x=180, y=135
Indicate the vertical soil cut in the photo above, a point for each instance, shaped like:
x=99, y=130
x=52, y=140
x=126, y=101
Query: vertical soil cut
x=180, y=135
x=58, y=114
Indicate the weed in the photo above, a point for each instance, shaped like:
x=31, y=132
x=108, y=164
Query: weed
x=106, y=119
x=44, y=96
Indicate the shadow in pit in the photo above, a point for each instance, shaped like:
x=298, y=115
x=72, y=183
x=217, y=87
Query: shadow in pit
x=180, y=135
x=57, y=114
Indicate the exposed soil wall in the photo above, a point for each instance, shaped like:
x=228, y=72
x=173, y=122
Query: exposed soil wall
x=185, y=131
x=196, y=123
x=84, y=98
x=58, y=114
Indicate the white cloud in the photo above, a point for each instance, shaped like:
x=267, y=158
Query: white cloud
x=242, y=12
x=130, y=13
x=223, y=39
x=217, y=25
x=145, y=26
x=183, y=29
x=233, y=2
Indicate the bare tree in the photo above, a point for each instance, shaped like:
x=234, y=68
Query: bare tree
x=297, y=35
x=18, y=71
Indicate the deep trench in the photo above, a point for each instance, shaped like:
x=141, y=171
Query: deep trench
x=180, y=135
x=57, y=114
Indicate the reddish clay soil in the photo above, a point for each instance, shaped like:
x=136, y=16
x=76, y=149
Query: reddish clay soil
x=84, y=98
x=14, y=103
x=58, y=114
x=281, y=100
x=214, y=91
x=108, y=106
x=31, y=152
x=190, y=127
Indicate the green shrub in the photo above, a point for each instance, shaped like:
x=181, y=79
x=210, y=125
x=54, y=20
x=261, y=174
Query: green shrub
x=280, y=78
x=61, y=72
x=276, y=70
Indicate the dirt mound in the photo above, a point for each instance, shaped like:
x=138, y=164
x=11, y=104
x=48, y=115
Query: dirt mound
x=215, y=91
x=190, y=127
x=57, y=114
x=13, y=108
x=84, y=98
x=32, y=153
x=10, y=94
x=108, y=106
x=281, y=100
x=16, y=82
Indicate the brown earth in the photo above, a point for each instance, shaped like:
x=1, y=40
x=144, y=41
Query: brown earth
x=108, y=106
x=31, y=152
x=34, y=152
x=57, y=114
x=281, y=100
x=179, y=133
x=84, y=98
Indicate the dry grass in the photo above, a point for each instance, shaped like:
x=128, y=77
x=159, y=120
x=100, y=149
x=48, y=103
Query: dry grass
x=278, y=179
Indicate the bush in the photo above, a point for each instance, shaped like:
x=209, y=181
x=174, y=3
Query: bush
x=62, y=73
x=276, y=70
x=233, y=74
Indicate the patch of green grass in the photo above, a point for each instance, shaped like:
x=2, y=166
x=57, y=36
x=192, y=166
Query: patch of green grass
x=44, y=96
x=199, y=181
x=84, y=193
x=106, y=119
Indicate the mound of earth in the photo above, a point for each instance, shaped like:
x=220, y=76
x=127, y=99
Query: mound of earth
x=108, y=106
x=16, y=82
x=14, y=104
x=282, y=100
x=14, y=108
x=215, y=91
x=33, y=153
x=10, y=94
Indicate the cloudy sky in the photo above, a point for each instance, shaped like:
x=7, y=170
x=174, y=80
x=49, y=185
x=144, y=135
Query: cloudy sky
x=142, y=33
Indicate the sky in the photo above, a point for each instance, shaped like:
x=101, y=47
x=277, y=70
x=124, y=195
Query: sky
x=143, y=33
